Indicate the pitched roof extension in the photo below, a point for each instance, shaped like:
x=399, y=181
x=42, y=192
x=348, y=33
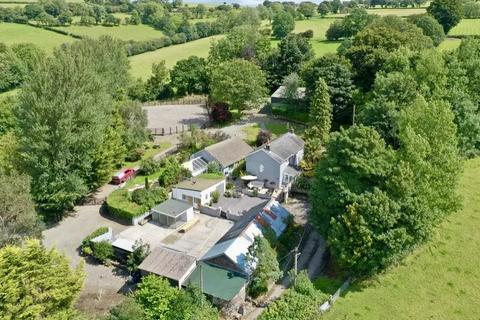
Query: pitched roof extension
x=230, y=151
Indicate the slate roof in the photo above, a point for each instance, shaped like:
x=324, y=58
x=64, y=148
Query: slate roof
x=168, y=263
x=286, y=145
x=172, y=207
x=198, y=183
x=230, y=151
x=280, y=93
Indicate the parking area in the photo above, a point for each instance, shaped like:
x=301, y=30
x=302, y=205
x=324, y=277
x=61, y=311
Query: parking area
x=169, y=116
x=102, y=283
x=195, y=242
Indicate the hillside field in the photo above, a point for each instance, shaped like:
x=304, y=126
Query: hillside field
x=466, y=27
x=139, y=32
x=439, y=281
x=11, y=33
x=141, y=65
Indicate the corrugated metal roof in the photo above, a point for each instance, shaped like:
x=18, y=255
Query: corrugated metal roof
x=217, y=282
x=230, y=151
x=168, y=263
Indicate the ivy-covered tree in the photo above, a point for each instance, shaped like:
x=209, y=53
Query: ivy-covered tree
x=37, y=283
x=320, y=123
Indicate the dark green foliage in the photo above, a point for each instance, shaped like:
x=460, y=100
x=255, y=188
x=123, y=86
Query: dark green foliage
x=264, y=258
x=307, y=9
x=18, y=219
x=372, y=46
x=263, y=137
x=149, y=166
x=156, y=87
x=300, y=302
x=336, y=72
x=102, y=251
x=171, y=172
x=283, y=23
x=11, y=69
x=7, y=118
x=447, y=12
x=135, y=132
x=189, y=76
x=149, y=198
x=430, y=27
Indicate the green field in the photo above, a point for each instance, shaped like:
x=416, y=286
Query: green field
x=319, y=27
x=142, y=63
x=11, y=33
x=12, y=5
x=449, y=44
x=466, y=27
x=139, y=32
x=439, y=281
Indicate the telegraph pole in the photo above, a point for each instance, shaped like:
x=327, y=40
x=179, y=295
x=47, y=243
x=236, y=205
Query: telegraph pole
x=295, y=264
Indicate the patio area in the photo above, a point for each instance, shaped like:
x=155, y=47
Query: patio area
x=195, y=242
x=240, y=206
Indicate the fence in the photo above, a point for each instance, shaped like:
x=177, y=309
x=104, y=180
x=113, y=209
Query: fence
x=328, y=304
x=184, y=100
x=172, y=130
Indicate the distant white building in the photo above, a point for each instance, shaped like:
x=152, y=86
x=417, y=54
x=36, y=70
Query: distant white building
x=198, y=191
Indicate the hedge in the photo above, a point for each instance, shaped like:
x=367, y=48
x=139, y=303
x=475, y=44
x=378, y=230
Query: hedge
x=120, y=206
x=87, y=243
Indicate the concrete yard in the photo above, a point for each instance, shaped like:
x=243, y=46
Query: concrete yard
x=169, y=116
x=195, y=242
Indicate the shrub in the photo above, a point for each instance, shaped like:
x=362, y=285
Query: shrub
x=230, y=185
x=263, y=137
x=220, y=112
x=215, y=196
x=120, y=206
x=103, y=251
x=140, y=252
x=149, y=198
x=135, y=154
x=240, y=169
x=149, y=166
x=87, y=243
x=307, y=34
x=213, y=167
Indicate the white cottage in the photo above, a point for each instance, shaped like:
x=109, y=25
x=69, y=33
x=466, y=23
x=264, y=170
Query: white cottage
x=198, y=190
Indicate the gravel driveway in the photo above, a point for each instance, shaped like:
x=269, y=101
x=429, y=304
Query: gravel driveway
x=102, y=283
x=166, y=116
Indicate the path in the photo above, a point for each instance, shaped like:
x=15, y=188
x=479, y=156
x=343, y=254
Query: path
x=310, y=258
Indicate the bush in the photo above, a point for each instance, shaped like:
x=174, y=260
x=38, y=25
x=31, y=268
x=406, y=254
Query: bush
x=149, y=166
x=220, y=112
x=120, y=206
x=140, y=252
x=86, y=246
x=257, y=287
x=240, y=169
x=263, y=137
x=149, y=198
x=135, y=154
x=307, y=34
x=230, y=185
x=214, y=167
x=215, y=196
x=103, y=251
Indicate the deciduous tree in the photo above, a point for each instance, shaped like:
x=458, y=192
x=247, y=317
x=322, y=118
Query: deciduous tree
x=282, y=24
x=447, y=12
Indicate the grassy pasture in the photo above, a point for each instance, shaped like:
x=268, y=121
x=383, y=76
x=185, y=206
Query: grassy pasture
x=142, y=64
x=11, y=33
x=438, y=281
x=449, y=44
x=466, y=27
x=12, y=5
x=139, y=32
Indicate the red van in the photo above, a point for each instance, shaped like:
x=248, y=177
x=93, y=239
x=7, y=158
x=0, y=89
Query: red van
x=122, y=176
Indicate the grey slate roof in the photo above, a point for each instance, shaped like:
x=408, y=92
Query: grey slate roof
x=172, y=207
x=286, y=145
x=280, y=93
x=229, y=151
x=168, y=263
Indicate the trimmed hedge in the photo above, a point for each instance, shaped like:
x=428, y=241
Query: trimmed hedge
x=120, y=206
x=86, y=243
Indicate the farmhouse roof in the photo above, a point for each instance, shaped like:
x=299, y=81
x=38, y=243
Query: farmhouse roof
x=230, y=151
x=287, y=145
x=172, y=207
x=198, y=183
x=168, y=263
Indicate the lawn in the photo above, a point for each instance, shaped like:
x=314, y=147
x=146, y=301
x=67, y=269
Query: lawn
x=8, y=93
x=449, y=44
x=276, y=128
x=12, y=5
x=142, y=63
x=466, y=27
x=319, y=26
x=439, y=281
x=139, y=32
x=11, y=33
